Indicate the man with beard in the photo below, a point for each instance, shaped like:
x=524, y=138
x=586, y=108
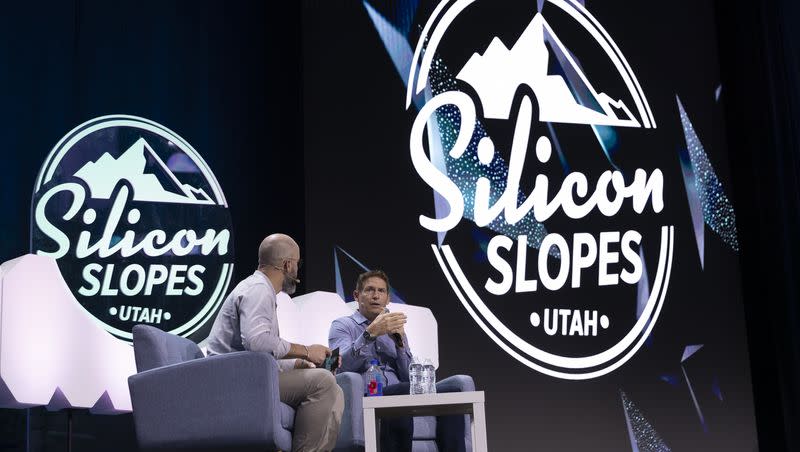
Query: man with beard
x=248, y=321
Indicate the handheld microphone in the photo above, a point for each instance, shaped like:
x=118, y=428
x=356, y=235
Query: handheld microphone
x=396, y=337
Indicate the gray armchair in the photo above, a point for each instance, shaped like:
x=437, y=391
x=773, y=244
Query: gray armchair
x=225, y=402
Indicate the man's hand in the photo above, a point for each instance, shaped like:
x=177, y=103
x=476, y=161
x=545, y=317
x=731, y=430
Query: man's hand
x=317, y=353
x=303, y=364
x=399, y=330
x=386, y=322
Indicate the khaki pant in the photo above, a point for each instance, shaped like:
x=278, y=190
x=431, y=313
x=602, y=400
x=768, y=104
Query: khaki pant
x=318, y=404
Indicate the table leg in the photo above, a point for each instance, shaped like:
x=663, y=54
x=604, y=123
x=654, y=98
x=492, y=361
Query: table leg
x=370, y=431
x=478, y=428
x=472, y=429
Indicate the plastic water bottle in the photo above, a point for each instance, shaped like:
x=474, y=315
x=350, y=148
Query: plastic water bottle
x=415, y=377
x=381, y=381
x=375, y=380
x=429, y=377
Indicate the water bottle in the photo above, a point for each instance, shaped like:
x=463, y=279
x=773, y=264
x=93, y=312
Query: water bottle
x=381, y=378
x=375, y=380
x=415, y=377
x=429, y=377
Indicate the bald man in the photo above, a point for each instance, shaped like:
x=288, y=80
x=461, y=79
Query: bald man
x=248, y=321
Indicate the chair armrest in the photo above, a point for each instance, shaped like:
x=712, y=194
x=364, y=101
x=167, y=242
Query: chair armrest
x=215, y=402
x=351, y=432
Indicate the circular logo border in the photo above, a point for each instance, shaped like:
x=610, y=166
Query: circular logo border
x=571, y=368
x=120, y=120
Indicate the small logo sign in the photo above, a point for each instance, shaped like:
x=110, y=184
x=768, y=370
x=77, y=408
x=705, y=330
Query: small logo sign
x=541, y=235
x=138, y=224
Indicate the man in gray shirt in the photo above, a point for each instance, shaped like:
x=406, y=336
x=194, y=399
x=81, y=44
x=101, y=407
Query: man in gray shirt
x=248, y=321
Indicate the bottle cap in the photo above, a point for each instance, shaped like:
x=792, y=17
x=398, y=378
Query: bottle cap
x=374, y=361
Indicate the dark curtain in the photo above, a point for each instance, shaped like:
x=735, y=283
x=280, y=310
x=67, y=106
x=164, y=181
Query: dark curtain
x=760, y=51
x=225, y=75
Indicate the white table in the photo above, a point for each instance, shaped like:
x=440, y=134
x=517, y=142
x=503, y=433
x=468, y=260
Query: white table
x=426, y=405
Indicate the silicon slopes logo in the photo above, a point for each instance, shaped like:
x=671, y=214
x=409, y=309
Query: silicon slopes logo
x=138, y=224
x=567, y=321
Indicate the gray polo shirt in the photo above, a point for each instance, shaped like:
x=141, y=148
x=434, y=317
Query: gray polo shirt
x=248, y=320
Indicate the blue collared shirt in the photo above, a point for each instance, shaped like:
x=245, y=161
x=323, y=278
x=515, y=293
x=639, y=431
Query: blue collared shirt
x=347, y=333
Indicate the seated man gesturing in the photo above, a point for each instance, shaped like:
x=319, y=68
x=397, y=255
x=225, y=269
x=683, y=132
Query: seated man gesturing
x=374, y=333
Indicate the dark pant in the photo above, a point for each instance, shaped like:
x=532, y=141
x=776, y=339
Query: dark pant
x=397, y=432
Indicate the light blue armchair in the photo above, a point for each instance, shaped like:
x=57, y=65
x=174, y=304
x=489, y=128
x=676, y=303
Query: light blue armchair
x=183, y=401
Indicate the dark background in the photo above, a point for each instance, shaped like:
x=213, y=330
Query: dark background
x=354, y=102
x=227, y=76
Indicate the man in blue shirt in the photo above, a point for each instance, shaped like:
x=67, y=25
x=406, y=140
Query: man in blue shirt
x=372, y=332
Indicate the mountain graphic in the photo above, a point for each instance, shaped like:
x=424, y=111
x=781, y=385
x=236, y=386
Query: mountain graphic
x=105, y=173
x=499, y=71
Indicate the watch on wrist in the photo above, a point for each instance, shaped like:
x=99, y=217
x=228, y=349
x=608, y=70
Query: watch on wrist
x=367, y=336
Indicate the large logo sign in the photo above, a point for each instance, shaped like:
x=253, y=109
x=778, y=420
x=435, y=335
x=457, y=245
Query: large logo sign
x=138, y=224
x=547, y=208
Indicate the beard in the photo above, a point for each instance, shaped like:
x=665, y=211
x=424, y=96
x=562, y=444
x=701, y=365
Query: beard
x=289, y=285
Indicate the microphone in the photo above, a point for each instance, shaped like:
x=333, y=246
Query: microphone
x=290, y=277
x=396, y=337
x=286, y=274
